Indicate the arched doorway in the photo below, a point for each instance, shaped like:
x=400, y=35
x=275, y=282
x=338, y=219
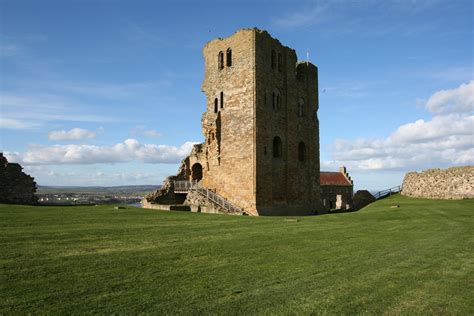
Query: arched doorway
x=196, y=172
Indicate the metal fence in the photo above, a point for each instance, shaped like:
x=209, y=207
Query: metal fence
x=387, y=192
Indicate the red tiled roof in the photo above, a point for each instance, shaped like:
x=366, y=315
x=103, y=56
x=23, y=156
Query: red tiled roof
x=333, y=178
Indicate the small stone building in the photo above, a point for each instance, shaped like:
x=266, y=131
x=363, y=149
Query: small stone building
x=337, y=189
x=261, y=128
x=16, y=187
x=361, y=199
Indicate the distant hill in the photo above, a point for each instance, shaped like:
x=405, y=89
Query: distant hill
x=98, y=190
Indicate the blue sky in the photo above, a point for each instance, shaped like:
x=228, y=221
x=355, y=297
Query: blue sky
x=108, y=92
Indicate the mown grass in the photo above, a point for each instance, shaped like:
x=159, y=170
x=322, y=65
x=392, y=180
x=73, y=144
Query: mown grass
x=415, y=259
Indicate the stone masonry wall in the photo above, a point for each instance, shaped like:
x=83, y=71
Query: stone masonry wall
x=228, y=162
x=286, y=184
x=452, y=183
x=241, y=122
x=16, y=187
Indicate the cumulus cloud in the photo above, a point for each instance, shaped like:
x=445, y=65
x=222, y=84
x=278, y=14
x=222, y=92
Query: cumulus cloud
x=445, y=140
x=460, y=99
x=128, y=151
x=73, y=134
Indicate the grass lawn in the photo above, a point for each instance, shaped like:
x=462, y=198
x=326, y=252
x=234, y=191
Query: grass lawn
x=415, y=259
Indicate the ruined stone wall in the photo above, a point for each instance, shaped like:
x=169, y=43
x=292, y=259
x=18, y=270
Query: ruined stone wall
x=16, y=187
x=451, y=183
x=241, y=121
x=165, y=195
x=203, y=205
x=361, y=199
x=229, y=161
x=286, y=184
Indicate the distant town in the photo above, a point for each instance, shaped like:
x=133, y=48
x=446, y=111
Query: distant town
x=56, y=195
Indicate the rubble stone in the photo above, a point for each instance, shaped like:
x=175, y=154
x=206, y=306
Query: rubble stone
x=452, y=183
x=16, y=187
x=261, y=128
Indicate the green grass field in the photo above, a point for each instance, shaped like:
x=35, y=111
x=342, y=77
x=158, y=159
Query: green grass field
x=415, y=259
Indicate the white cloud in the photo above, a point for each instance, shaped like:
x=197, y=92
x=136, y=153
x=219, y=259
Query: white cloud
x=152, y=133
x=460, y=99
x=141, y=130
x=118, y=92
x=73, y=134
x=8, y=50
x=10, y=123
x=305, y=17
x=445, y=140
x=28, y=112
x=128, y=151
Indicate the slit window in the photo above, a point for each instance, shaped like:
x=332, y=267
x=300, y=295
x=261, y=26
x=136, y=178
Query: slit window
x=301, y=152
x=216, y=107
x=220, y=60
x=277, y=150
x=273, y=59
x=229, y=57
x=276, y=100
x=222, y=100
x=301, y=108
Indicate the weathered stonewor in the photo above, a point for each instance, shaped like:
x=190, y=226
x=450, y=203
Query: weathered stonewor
x=452, y=183
x=204, y=205
x=361, y=199
x=165, y=195
x=16, y=187
x=336, y=189
x=261, y=128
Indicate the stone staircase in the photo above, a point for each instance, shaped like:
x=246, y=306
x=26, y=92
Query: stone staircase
x=212, y=197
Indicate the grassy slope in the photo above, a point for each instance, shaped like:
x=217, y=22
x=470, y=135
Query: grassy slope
x=417, y=258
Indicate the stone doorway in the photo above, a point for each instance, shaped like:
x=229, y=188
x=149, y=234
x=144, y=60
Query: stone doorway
x=196, y=172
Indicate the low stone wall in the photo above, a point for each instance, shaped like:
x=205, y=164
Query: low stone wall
x=164, y=207
x=195, y=208
x=453, y=183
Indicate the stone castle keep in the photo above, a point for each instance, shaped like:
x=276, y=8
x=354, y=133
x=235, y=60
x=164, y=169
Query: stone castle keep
x=261, y=128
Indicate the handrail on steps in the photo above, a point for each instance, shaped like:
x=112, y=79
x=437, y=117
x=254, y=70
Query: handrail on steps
x=194, y=185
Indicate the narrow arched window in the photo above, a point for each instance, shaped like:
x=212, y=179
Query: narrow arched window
x=216, y=106
x=301, y=152
x=301, y=107
x=280, y=62
x=220, y=60
x=229, y=57
x=222, y=100
x=276, y=100
x=273, y=59
x=277, y=150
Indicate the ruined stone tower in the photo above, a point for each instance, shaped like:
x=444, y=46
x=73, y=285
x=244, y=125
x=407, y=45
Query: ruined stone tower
x=261, y=149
